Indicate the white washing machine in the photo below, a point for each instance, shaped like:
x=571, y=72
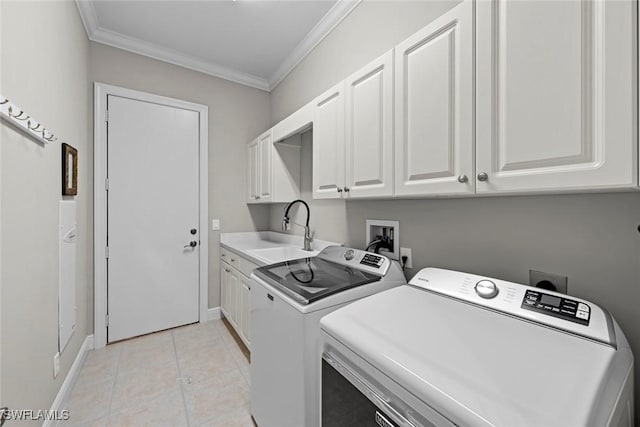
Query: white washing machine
x=287, y=301
x=458, y=349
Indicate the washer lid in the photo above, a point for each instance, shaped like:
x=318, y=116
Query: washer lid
x=474, y=365
x=310, y=279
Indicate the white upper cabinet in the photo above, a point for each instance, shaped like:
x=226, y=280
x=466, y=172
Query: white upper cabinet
x=265, y=143
x=555, y=95
x=297, y=123
x=434, y=107
x=328, y=144
x=273, y=169
x=369, y=130
x=252, y=170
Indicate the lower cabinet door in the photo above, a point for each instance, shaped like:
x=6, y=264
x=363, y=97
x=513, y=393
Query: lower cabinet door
x=233, y=292
x=245, y=309
x=225, y=271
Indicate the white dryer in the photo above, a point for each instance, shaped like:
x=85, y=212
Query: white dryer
x=458, y=349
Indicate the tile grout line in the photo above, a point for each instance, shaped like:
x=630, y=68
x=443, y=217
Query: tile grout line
x=180, y=380
x=113, y=385
x=235, y=360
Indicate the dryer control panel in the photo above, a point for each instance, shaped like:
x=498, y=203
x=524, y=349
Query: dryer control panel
x=547, y=308
x=553, y=305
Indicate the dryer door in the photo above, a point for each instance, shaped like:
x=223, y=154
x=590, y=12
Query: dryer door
x=348, y=400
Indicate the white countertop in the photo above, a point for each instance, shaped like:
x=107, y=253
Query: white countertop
x=270, y=247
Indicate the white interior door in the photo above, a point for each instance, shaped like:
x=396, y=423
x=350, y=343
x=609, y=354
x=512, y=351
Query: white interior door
x=152, y=154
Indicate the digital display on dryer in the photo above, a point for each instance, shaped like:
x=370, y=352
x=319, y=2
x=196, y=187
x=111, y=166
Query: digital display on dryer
x=550, y=300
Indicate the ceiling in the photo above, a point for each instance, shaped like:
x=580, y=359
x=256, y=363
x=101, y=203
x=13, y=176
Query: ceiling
x=253, y=42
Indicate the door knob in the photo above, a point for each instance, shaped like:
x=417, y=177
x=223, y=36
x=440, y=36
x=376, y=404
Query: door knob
x=192, y=244
x=193, y=231
x=482, y=176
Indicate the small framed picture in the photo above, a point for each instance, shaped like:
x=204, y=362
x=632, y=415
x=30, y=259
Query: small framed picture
x=69, y=170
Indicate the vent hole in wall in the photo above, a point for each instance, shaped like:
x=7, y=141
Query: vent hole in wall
x=545, y=284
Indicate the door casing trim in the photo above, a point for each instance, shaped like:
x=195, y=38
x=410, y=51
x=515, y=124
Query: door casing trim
x=101, y=91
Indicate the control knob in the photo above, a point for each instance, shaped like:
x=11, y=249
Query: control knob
x=486, y=289
x=348, y=255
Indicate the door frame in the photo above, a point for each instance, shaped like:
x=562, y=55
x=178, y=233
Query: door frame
x=101, y=91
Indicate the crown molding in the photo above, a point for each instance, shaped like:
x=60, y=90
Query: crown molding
x=88, y=16
x=161, y=53
x=328, y=22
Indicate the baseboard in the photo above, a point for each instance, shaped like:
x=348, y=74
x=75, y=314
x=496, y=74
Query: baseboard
x=214, y=314
x=70, y=379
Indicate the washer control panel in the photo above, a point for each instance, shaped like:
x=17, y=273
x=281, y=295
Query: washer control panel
x=356, y=258
x=372, y=260
x=486, y=289
x=552, y=305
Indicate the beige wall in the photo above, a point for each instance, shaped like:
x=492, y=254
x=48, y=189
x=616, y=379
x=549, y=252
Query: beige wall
x=591, y=238
x=370, y=30
x=237, y=114
x=44, y=70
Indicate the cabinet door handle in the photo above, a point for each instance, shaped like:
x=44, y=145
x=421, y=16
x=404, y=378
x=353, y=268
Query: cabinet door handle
x=223, y=255
x=482, y=176
x=339, y=190
x=346, y=189
x=463, y=178
x=233, y=260
x=227, y=270
x=270, y=297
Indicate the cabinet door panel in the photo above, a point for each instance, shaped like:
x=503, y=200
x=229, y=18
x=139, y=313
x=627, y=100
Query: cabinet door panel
x=225, y=271
x=252, y=175
x=266, y=151
x=328, y=144
x=434, y=107
x=245, y=312
x=233, y=288
x=369, y=129
x=546, y=95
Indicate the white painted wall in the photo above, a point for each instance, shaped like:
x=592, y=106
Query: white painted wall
x=591, y=238
x=237, y=114
x=44, y=70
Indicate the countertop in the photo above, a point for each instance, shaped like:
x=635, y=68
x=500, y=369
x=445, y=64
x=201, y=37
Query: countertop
x=255, y=246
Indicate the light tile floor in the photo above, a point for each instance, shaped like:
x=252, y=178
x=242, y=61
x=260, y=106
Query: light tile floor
x=196, y=375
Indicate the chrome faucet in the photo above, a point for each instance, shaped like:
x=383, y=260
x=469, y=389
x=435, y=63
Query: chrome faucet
x=308, y=238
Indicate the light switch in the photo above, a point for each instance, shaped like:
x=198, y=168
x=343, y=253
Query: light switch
x=215, y=224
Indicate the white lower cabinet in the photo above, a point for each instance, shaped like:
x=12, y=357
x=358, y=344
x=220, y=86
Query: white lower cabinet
x=235, y=293
x=245, y=308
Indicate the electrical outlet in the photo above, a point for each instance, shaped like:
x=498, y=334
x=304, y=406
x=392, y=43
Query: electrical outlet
x=56, y=365
x=406, y=252
x=549, y=281
x=215, y=224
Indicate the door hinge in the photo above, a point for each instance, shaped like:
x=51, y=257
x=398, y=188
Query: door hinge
x=106, y=319
x=106, y=116
x=106, y=252
x=106, y=184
